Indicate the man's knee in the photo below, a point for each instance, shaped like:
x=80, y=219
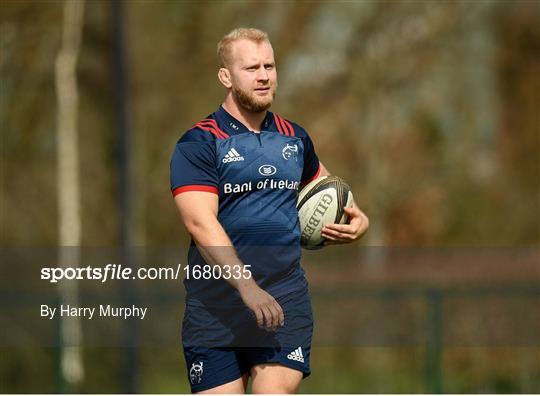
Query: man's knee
x=274, y=378
x=288, y=388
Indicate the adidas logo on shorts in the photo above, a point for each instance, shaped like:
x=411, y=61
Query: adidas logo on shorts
x=232, y=156
x=296, y=355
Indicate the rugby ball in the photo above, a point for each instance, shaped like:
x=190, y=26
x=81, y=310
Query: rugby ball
x=319, y=203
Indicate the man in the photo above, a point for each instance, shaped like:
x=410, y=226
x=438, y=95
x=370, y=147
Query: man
x=248, y=312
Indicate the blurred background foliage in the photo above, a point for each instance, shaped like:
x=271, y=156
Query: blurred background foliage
x=430, y=109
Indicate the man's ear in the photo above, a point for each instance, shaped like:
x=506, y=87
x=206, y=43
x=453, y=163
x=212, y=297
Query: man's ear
x=224, y=77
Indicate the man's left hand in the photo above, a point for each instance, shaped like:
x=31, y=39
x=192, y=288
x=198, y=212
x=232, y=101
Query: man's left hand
x=346, y=233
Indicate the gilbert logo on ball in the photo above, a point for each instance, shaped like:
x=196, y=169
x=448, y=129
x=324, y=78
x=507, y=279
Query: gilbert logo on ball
x=322, y=202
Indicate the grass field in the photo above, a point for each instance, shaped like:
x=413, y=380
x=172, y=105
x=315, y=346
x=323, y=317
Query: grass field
x=334, y=370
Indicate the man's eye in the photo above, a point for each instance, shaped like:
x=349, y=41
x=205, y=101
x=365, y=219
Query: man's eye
x=269, y=67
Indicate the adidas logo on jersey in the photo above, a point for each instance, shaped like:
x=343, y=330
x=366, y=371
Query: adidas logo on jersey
x=296, y=355
x=232, y=156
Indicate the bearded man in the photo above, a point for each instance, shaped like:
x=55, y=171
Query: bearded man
x=235, y=177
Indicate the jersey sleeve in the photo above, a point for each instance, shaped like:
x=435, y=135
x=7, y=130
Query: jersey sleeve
x=193, y=165
x=311, y=161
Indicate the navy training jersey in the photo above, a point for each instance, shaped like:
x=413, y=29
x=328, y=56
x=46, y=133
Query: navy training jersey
x=256, y=176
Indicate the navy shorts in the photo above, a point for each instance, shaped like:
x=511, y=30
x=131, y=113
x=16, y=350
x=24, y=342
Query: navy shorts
x=222, y=344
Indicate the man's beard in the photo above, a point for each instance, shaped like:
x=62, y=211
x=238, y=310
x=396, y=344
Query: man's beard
x=250, y=102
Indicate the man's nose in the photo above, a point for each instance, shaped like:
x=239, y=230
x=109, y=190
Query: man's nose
x=262, y=74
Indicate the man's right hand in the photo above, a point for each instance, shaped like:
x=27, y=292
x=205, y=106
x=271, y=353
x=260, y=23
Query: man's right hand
x=268, y=312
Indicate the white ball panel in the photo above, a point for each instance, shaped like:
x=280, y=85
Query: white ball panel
x=321, y=208
x=317, y=211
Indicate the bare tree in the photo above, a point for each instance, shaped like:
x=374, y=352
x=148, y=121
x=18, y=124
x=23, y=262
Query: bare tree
x=69, y=212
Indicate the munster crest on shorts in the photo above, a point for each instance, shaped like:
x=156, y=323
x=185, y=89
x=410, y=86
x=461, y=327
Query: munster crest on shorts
x=290, y=151
x=196, y=372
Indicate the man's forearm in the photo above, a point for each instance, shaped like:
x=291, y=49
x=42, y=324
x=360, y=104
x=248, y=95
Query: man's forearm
x=217, y=250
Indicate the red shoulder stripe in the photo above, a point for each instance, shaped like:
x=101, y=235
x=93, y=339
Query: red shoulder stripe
x=285, y=129
x=278, y=124
x=209, y=129
x=214, y=123
x=211, y=126
x=289, y=125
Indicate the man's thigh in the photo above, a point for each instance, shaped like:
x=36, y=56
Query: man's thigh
x=215, y=370
x=237, y=386
x=275, y=378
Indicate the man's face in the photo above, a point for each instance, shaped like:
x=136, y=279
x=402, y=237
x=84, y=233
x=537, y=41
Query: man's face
x=253, y=74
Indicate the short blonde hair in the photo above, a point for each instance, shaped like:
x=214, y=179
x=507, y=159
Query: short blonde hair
x=224, y=45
